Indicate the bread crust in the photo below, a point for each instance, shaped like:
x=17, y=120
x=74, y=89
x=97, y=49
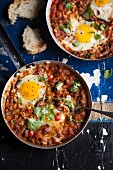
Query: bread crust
x=25, y=9
x=32, y=41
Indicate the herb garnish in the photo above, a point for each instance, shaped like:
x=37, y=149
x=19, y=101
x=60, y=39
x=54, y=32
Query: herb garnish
x=108, y=73
x=75, y=86
x=88, y=13
x=69, y=104
x=69, y=6
x=19, y=100
x=13, y=122
x=70, y=118
x=97, y=37
x=59, y=85
x=65, y=27
x=41, y=78
x=76, y=43
x=102, y=27
x=33, y=124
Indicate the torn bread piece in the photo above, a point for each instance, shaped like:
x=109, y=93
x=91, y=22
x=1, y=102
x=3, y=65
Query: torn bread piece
x=24, y=8
x=33, y=43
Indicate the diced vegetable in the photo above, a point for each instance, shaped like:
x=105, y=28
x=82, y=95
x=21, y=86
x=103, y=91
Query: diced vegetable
x=33, y=124
x=69, y=6
x=41, y=78
x=19, y=100
x=75, y=86
x=59, y=85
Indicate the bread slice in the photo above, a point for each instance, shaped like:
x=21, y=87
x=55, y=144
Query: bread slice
x=25, y=9
x=33, y=43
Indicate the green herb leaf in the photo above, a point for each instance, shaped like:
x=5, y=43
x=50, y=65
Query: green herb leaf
x=102, y=27
x=59, y=85
x=97, y=37
x=51, y=116
x=91, y=32
x=41, y=78
x=67, y=24
x=13, y=122
x=108, y=73
x=75, y=86
x=61, y=27
x=38, y=111
x=95, y=25
x=69, y=104
x=65, y=27
x=66, y=30
x=76, y=43
x=45, y=110
x=79, y=121
x=70, y=118
x=33, y=124
x=19, y=100
x=88, y=13
x=69, y=6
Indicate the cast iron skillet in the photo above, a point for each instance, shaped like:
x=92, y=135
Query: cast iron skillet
x=48, y=7
x=20, y=65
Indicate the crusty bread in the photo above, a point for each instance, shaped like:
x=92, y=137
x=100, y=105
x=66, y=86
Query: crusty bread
x=25, y=9
x=33, y=43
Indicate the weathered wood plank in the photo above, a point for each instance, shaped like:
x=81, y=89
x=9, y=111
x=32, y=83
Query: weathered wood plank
x=105, y=107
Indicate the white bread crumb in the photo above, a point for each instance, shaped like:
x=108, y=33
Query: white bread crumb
x=33, y=43
x=25, y=9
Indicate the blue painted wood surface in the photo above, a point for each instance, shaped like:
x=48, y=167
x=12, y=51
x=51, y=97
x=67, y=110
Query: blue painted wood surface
x=53, y=52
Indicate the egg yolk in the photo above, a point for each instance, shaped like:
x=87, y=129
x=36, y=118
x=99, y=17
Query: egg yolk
x=101, y=2
x=29, y=90
x=84, y=33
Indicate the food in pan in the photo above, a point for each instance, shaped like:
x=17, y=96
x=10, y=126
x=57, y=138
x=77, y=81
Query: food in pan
x=25, y=9
x=83, y=28
x=32, y=40
x=39, y=104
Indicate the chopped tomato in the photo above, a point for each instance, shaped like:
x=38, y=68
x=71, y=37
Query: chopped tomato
x=60, y=7
x=57, y=117
x=31, y=133
x=56, y=2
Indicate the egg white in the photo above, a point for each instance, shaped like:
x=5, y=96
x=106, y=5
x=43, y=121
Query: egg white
x=40, y=92
x=83, y=46
x=103, y=12
x=54, y=122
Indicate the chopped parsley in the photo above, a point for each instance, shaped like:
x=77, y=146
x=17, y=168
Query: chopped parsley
x=70, y=118
x=59, y=85
x=69, y=104
x=51, y=116
x=108, y=73
x=97, y=37
x=78, y=121
x=76, y=43
x=102, y=27
x=75, y=86
x=69, y=6
x=95, y=25
x=13, y=122
x=65, y=27
x=38, y=111
x=88, y=13
x=33, y=124
x=41, y=78
x=19, y=100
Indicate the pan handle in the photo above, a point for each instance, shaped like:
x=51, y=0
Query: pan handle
x=10, y=49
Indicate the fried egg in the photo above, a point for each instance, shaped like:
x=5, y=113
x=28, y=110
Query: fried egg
x=54, y=122
x=30, y=89
x=82, y=36
x=103, y=9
